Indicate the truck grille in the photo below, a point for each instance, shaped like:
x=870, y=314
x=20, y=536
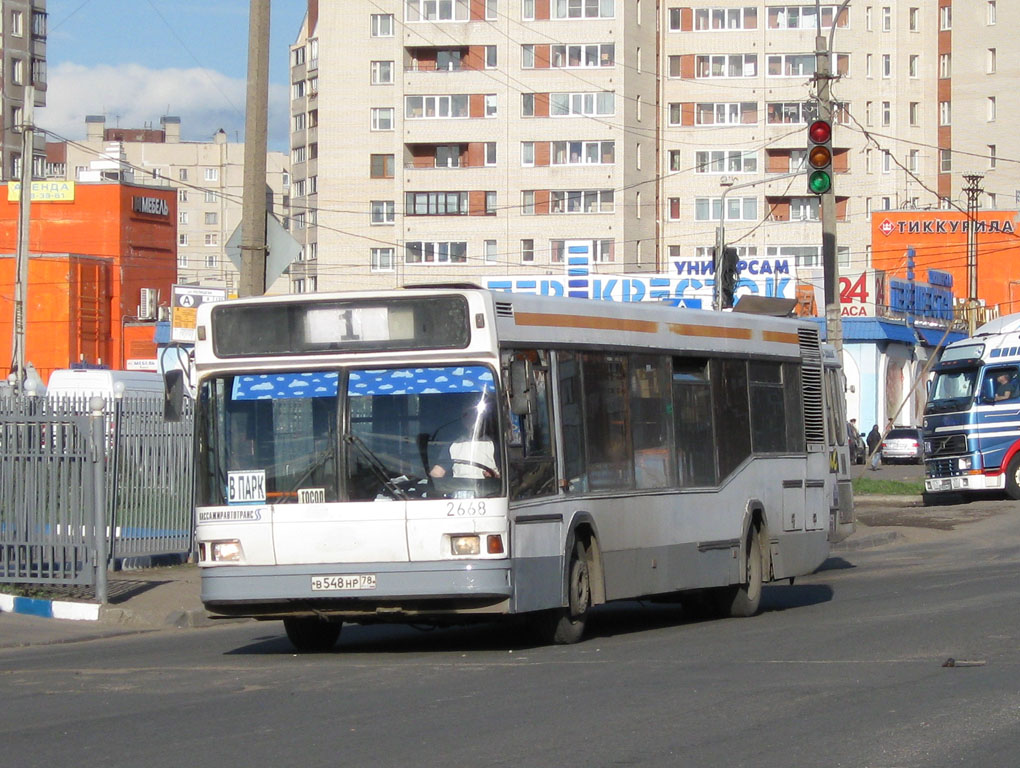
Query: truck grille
x=948, y=445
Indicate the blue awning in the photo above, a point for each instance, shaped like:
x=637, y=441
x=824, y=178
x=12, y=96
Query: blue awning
x=933, y=337
x=872, y=329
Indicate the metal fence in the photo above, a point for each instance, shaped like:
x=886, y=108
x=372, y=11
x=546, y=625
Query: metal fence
x=48, y=487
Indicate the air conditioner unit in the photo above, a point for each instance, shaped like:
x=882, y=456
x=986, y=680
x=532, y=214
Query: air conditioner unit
x=149, y=304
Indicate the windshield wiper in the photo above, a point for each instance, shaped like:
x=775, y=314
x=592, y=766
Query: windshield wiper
x=378, y=468
x=325, y=456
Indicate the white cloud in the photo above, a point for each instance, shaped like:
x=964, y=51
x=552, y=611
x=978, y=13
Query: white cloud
x=133, y=96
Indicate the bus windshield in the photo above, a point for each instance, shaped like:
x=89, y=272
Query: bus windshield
x=952, y=390
x=359, y=435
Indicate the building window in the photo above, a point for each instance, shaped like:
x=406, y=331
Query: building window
x=527, y=251
x=182, y=195
x=182, y=174
x=991, y=156
x=990, y=17
x=527, y=153
x=726, y=161
x=17, y=71
x=582, y=201
x=383, y=211
x=182, y=217
x=582, y=9
x=382, y=25
x=731, y=65
x=39, y=23
x=437, y=107
x=945, y=161
x=945, y=113
x=737, y=208
x=490, y=203
x=381, y=166
x=914, y=160
x=299, y=56
x=299, y=89
x=583, y=153
x=912, y=65
x=945, y=65
x=886, y=161
x=382, y=260
x=886, y=113
x=436, y=10
x=17, y=28
x=299, y=188
x=601, y=250
x=211, y=218
x=442, y=252
x=298, y=220
x=990, y=62
x=528, y=202
x=915, y=112
x=490, y=251
x=804, y=208
x=212, y=174
x=490, y=153
x=886, y=18
x=491, y=105
x=790, y=65
x=673, y=208
x=867, y=65
x=182, y=239
x=575, y=104
x=436, y=204
x=582, y=56
x=382, y=73
x=790, y=112
x=886, y=65
x=382, y=118
x=448, y=156
x=212, y=239
x=717, y=19
x=211, y=196
x=298, y=154
x=945, y=18
x=299, y=121
x=182, y=260
x=914, y=19
x=991, y=109
x=801, y=17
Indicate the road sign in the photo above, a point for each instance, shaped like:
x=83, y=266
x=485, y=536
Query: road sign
x=282, y=249
x=184, y=309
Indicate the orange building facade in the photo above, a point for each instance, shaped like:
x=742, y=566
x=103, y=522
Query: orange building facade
x=939, y=241
x=93, y=248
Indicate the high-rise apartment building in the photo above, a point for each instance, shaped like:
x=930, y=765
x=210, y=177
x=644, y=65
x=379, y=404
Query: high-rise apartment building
x=23, y=48
x=467, y=139
x=208, y=175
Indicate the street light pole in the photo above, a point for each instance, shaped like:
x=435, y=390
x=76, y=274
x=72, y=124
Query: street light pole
x=720, y=231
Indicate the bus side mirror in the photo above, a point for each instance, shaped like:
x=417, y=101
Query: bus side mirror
x=173, y=395
x=520, y=387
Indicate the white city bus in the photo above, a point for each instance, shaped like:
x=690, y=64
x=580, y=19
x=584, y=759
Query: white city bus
x=632, y=450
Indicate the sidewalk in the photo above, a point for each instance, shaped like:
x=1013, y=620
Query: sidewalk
x=139, y=600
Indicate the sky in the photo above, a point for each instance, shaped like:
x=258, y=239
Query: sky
x=137, y=60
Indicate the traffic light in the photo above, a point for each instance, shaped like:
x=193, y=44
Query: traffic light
x=727, y=277
x=819, y=157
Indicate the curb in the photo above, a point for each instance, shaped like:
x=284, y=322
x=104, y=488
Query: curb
x=49, y=609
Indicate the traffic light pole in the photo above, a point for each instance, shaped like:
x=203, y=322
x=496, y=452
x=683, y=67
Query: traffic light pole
x=830, y=265
x=720, y=231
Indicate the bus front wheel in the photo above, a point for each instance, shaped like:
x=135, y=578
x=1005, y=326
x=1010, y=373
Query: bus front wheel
x=1013, y=478
x=744, y=599
x=310, y=634
x=565, y=626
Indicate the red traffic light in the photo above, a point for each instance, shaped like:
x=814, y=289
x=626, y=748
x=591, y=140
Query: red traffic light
x=820, y=132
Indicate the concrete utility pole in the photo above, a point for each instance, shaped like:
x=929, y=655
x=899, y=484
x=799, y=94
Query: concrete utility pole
x=253, y=207
x=24, y=220
x=973, y=191
x=830, y=264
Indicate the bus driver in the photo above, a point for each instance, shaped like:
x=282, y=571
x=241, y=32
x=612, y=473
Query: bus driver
x=472, y=453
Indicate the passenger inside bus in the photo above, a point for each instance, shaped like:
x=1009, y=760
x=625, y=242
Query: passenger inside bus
x=472, y=454
x=1005, y=385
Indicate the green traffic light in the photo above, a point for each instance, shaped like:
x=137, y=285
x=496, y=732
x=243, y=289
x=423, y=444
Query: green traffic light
x=819, y=182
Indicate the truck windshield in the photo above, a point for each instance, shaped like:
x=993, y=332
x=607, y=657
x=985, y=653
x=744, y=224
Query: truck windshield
x=952, y=389
x=326, y=436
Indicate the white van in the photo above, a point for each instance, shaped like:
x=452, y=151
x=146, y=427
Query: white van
x=83, y=383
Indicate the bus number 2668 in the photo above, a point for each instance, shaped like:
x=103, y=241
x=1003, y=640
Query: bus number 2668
x=460, y=509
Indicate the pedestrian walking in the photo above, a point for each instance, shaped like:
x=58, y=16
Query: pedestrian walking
x=875, y=447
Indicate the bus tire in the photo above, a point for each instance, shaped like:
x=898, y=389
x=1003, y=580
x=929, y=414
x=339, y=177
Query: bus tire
x=746, y=597
x=1013, y=477
x=310, y=634
x=565, y=626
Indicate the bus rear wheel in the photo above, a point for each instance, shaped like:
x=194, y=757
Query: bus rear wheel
x=565, y=626
x=1013, y=478
x=310, y=634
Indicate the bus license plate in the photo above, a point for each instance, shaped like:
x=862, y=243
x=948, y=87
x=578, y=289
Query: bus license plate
x=341, y=583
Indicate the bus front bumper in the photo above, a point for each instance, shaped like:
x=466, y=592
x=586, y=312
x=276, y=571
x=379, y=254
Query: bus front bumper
x=980, y=482
x=362, y=591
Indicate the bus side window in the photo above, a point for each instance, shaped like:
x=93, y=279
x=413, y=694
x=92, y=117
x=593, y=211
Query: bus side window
x=654, y=466
x=530, y=456
x=575, y=464
x=732, y=415
x=693, y=424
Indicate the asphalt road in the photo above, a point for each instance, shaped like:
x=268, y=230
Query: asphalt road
x=845, y=668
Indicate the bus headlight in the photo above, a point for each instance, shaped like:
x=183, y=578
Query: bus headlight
x=464, y=545
x=965, y=463
x=226, y=551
